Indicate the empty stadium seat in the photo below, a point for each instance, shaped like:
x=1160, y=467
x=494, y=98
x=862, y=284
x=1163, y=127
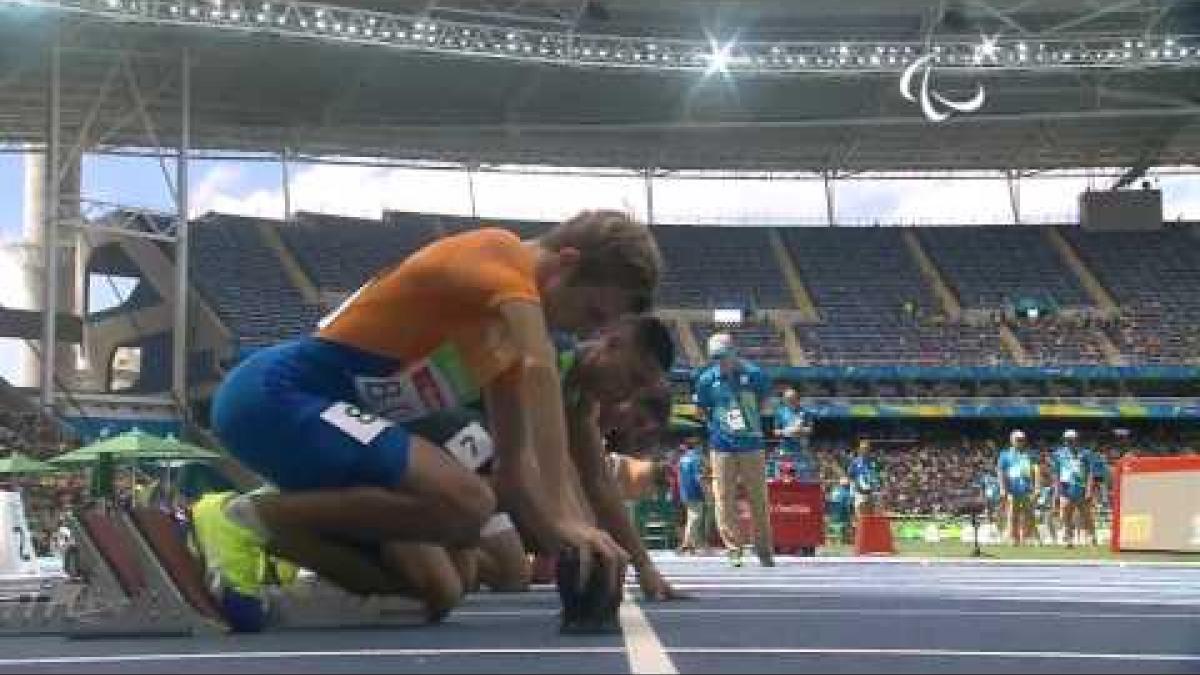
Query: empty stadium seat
x=711, y=267
x=995, y=265
x=245, y=282
x=1155, y=277
x=861, y=280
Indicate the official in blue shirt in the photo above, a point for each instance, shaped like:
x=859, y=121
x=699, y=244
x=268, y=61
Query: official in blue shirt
x=841, y=508
x=1018, y=476
x=866, y=478
x=1071, y=467
x=692, y=478
x=730, y=392
x=794, y=426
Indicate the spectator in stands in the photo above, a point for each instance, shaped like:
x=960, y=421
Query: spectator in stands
x=865, y=474
x=729, y=393
x=1017, y=474
x=692, y=471
x=794, y=426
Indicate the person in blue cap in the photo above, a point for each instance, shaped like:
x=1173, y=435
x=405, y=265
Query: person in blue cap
x=729, y=393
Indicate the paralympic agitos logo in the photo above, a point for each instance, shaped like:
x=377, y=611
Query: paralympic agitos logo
x=935, y=106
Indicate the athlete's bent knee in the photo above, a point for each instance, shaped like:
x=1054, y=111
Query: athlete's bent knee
x=468, y=505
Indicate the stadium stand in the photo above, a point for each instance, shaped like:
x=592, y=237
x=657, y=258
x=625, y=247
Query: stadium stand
x=1059, y=342
x=339, y=253
x=999, y=265
x=875, y=305
x=1155, y=276
x=709, y=267
x=263, y=307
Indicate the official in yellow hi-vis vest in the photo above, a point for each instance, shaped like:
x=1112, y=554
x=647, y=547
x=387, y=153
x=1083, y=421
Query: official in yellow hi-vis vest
x=238, y=568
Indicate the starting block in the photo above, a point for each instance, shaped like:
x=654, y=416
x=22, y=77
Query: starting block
x=159, y=589
x=142, y=582
x=138, y=579
x=38, y=615
x=592, y=611
x=124, y=591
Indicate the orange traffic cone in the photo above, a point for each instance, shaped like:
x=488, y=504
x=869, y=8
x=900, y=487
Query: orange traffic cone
x=873, y=535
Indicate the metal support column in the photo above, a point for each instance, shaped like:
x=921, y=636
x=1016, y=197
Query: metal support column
x=471, y=190
x=830, y=210
x=649, y=196
x=287, y=185
x=50, y=235
x=1014, y=195
x=179, y=333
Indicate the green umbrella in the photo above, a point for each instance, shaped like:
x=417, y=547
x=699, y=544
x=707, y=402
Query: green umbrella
x=18, y=464
x=188, y=451
x=135, y=446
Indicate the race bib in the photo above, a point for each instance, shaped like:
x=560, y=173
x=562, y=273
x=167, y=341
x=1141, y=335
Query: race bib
x=1019, y=470
x=735, y=420
x=472, y=446
x=865, y=484
x=354, y=422
x=439, y=382
x=1071, y=471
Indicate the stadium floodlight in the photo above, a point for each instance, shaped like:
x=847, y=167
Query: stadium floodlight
x=718, y=58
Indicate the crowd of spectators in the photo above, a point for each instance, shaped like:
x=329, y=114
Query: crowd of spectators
x=47, y=499
x=932, y=477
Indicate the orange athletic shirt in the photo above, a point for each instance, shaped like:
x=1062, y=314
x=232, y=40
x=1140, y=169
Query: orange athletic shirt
x=444, y=295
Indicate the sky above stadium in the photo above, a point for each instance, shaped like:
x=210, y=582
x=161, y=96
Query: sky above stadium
x=254, y=188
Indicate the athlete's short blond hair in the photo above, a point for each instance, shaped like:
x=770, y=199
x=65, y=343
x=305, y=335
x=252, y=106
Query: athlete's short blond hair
x=614, y=250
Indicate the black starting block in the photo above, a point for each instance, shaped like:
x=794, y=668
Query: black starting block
x=592, y=611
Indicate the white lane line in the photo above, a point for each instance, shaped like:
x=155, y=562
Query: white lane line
x=914, y=561
x=825, y=591
x=1165, y=601
x=817, y=611
x=644, y=649
x=926, y=612
x=324, y=654
x=932, y=653
x=935, y=588
x=1101, y=584
x=719, y=651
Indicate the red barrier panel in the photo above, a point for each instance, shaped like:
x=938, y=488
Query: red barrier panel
x=873, y=535
x=797, y=512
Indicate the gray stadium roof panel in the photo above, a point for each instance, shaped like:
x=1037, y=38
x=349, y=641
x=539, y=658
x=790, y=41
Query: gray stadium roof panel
x=264, y=93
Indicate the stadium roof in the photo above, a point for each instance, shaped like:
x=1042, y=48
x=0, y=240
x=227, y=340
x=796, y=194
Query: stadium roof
x=259, y=92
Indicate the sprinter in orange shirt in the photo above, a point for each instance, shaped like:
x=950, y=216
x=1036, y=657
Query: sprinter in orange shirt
x=466, y=318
